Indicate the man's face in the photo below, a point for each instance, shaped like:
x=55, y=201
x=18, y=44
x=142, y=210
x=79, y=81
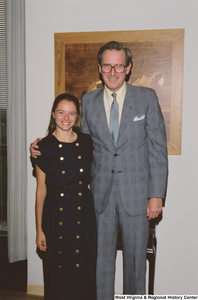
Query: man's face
x=114, y=81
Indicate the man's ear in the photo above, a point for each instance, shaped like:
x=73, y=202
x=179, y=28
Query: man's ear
x=99, y=68
x=128, y=68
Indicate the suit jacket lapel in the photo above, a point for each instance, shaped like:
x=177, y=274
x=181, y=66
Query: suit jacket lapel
x=128, y=106
x=100, y=111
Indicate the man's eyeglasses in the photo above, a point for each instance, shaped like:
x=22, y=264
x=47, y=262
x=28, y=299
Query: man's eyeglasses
x=106, y=68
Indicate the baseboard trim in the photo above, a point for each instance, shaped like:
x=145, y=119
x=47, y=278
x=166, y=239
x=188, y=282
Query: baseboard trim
x=35, y=289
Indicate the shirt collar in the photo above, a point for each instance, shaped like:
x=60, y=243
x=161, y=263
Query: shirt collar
x=120, y=94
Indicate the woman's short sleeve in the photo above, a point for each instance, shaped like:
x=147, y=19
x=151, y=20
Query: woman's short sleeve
x=43, y=159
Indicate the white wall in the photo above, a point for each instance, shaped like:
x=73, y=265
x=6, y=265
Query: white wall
x=177, y=234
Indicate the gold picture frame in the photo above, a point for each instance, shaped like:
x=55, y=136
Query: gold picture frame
x=158, y=57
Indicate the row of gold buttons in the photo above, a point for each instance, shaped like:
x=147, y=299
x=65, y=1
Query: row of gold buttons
x=79, y=207
x=61, y=208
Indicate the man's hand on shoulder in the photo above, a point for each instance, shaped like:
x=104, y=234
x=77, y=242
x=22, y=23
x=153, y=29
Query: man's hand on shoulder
x=33, y=146
x=154, y=208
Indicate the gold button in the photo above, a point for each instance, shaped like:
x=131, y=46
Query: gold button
x=80, y=182
x=60, y=252
x=60, y=145
x=63, y=186
x=77, y=265
x=63, y=172
x=78, y=222
x=60, y=223
x=81, y=170
x=60, y=237
x=77, y=237
x=77, y=144
x=79, y=194
x=77, y=251
x=61, y=158
x=62, y=194
x=79, y=207
x=61, y=209
x=79, y=157
x=60, y=267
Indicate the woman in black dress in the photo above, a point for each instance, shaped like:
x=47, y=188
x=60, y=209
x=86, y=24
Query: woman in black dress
x=65, y=218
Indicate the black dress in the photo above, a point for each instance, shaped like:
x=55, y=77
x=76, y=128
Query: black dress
x=68, y=220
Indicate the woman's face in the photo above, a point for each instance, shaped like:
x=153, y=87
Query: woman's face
x=65, y=115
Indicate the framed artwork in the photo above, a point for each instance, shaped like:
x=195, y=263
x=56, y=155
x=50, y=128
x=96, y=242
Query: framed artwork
x=157, y=63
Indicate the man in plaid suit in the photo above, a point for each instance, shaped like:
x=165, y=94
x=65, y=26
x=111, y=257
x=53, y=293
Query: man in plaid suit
x=128, y=177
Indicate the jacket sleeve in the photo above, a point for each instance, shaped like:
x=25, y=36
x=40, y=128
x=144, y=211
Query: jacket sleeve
x=85, y=128
x=157, y=148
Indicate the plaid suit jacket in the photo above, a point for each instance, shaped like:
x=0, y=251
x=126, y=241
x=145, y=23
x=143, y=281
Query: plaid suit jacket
x=140, y=156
